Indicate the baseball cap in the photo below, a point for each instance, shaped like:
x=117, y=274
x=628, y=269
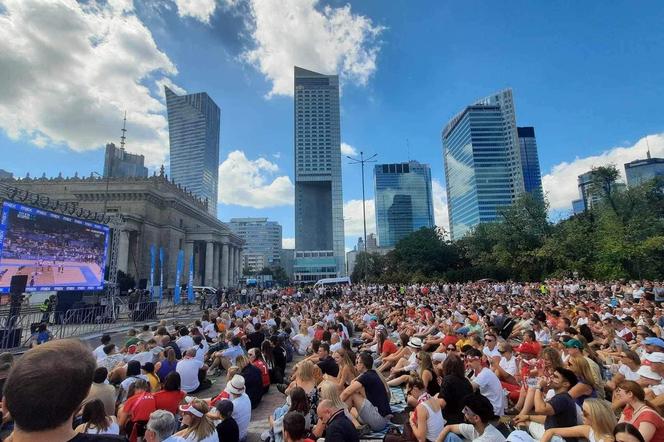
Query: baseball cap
x=646, y=372
x=659, y=342
x=657, y=357
x=574, y=343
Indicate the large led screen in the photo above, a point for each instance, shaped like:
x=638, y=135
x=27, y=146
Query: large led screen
x=56, y=252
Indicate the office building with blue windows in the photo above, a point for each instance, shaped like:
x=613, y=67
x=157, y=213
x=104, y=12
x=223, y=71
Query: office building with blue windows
x=403, y=200
x=319, y=219
x=193, y=131
x=482, y=159
x=641, y=171
x=532, y=177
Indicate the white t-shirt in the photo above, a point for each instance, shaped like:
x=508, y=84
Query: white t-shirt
x=185, y=343
x=99, y=353
x=491, y=353
x=210, y=331
x=491, y=388
x=508, y=365
x=302, y=342
x=242, y=413
x=628, y=373
x=188, y=370
x=491, y=434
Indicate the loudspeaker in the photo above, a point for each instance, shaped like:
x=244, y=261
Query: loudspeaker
x=18, y=284
x=10, y=338
x=142, y=284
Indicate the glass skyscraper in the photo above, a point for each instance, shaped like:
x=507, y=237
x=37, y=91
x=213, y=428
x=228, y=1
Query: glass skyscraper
x=193, y=131
x=319, y=223
x=532, y=177
x=403, y=200
x=641, y=171
x=482, y=162
x=262, y=241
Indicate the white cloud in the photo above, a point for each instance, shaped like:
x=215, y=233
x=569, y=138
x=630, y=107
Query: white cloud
x=440, y=213
x=250, y=183
x=287, y=243
x=353, y=220
x=347, y=149
x=560, y=185
x=298, y=32
x=69, y=70
x=200, y=10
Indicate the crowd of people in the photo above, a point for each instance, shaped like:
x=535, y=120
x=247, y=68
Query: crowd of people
x=483, y=361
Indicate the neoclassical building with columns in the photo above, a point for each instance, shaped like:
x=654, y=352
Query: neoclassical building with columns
x=156, y=212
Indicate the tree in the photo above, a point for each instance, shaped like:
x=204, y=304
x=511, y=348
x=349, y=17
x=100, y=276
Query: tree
x=374, y=267
x=265, y=271
x=279, y=274
x=425, y=251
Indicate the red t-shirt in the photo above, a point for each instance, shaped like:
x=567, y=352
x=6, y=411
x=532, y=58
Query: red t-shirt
x=389, y=347
x=169, y=400
x=265, y=373
x=653, y=418
x=220, y=397
x=318, y=334
x=140, y=406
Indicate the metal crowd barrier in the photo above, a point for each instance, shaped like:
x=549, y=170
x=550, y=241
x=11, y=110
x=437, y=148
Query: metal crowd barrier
x=16, y=332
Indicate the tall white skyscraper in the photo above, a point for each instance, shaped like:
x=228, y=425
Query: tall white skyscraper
x=193, y=131
x=319, y=223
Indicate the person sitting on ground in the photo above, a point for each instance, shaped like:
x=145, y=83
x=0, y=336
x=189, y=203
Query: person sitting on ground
x=166, y=365
x=326, y=362
x=199, y=427
x=99, y=351
x=426, y=420
x=479, y=413
x=112, y=358
x=347, y=371
x=486, y=381
x=626, y=432
x=453, y=389
x=132, y=373
x=153, y=379
x=256, y=358
x=160, y=427
x=134, y=414
x=296, y=401
x=103, y=391
x=338, y=428
x=171, y=396
x=598, y=423
x=630, y=397
x=39, y=420
x=192, y=372
x=557, y=412
x=96, y=420
x=294, y=428
x=253, y=380
x=369, y=395
x=185, y=341
x=241, y=404
x=227, y=429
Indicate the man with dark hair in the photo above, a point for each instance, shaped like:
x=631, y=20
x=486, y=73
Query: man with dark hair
x=557, y=412
x=99, y=351
x=326, y=362
x=478, y=412
x=103, y=391
x=368, y=394
x=294, y=427
x=485, y=381
x=43, y=406
x=256, y=338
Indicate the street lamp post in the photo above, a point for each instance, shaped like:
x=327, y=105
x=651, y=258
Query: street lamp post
x=361, y=161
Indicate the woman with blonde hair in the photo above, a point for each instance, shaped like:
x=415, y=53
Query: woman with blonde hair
x=585, y=388
x=598, y=424
x=347, y=371
x=200, y=427
x=305, y=377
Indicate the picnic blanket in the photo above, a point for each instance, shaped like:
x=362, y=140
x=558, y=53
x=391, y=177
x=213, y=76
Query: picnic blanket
x=398, y=405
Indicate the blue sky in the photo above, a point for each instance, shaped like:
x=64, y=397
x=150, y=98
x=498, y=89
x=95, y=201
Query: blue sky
x=588, y=75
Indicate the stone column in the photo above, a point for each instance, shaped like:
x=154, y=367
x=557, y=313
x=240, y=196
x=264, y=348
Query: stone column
x=188, y=253
x=209, y=263
x=215, y=271
x=231, y=266
x=224, y=265
x=123, y=251
x=238, y=265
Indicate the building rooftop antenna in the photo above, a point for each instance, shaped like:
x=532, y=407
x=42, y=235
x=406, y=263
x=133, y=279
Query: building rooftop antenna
x=648, y=144
x=124, y=131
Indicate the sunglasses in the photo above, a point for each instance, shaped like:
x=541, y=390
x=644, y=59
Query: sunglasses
x=451, y=348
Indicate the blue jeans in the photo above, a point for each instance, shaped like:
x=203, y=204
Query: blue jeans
x=452, y=437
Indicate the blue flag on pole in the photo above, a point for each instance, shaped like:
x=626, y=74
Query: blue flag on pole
x=190, y=286
x=161, y=273
x=152, y=265
x=178, y=275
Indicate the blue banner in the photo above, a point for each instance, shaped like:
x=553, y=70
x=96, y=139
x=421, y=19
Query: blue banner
x=178, y=274
x=161, y=273
x=190, y=286
x=152, y=265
